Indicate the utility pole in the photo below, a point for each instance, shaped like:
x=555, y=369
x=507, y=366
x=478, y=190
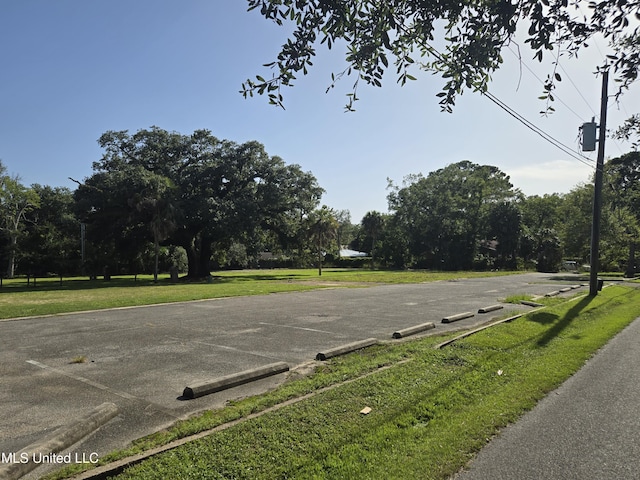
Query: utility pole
x=597, y=193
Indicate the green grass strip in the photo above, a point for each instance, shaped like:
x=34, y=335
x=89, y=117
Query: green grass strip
x=432, y=409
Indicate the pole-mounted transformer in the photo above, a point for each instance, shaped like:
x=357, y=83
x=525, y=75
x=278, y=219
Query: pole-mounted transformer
x=589, y=139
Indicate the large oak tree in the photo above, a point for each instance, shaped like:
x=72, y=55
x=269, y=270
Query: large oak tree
x=214, y=192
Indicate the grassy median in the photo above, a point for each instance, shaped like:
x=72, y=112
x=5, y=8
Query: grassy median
x=431, y=409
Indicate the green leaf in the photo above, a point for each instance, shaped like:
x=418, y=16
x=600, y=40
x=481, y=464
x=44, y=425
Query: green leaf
x=385, y=40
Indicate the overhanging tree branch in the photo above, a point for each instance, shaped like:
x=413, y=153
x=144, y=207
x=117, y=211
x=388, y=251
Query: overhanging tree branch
x=474, y=32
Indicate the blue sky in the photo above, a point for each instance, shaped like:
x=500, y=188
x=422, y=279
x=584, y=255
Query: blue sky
x=73, y=69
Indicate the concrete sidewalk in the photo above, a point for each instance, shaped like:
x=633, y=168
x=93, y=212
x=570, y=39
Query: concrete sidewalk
x=589, y=428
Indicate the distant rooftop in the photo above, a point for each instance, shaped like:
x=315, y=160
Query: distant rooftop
x=351, y=253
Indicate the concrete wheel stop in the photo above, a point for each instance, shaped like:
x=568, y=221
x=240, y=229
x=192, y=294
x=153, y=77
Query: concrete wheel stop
x=59, y=440
x=348, y=348
x=413, y=330
x=459, y=316
x=490, y=308
x=234, y=380
x=529, y=303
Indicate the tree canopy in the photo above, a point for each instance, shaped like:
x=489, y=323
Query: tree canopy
x=17, y=202
x=446, y=214
x=195, y=191
x=630, y=130
x=460, y=41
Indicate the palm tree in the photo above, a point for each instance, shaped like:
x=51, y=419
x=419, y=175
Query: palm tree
x=323, y=228
x=155, y=203
x=372, y=224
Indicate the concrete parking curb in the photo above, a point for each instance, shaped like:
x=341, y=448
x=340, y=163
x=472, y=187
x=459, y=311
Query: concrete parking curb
x=350, y=347
x=233, y=380
x=413, y=330
x=484, y=327
x=459, y=316
x=491, y=308
x=529, y=303
x=59, y=440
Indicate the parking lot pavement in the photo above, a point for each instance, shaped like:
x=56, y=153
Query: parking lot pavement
x=142, y=358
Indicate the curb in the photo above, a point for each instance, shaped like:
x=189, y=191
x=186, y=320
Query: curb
x=459, y=316
x=60, y=440
x=413, y=330
x=350, y=347
x=234, y=380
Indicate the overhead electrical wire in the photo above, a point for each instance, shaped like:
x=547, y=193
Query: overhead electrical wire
x=594, y=40
x=556, y=143
x=567, y=150
x=517, y=55
x=566, y=74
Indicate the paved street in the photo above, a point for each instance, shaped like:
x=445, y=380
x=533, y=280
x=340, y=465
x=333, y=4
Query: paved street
x=587, y=429
x=142, y=358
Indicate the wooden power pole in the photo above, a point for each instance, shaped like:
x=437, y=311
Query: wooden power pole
x=597, y=193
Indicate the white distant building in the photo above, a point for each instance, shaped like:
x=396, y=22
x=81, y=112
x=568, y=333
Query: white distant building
x=345, y=252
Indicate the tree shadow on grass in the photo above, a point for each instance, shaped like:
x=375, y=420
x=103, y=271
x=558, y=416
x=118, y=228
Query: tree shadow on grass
x=258, y=277
x=49, y=284
x=560, y=323
x=543, y=318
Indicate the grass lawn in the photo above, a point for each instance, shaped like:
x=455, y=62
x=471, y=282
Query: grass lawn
x=50, y=296
x=432, y=409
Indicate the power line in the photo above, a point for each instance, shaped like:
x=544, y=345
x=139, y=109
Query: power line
x=519, y=57
x=539, y=131
x=593, y=39
x=577, y=89
x=566, y=74
x=575, y=155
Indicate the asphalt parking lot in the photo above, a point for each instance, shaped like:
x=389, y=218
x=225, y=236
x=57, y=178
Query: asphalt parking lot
x=142, y=358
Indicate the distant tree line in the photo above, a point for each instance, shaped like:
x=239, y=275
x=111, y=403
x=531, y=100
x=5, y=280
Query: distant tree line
x=159, y=201
x=469, y=216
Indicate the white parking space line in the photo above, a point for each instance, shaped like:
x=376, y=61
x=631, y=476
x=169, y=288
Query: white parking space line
x=226, y=347
x=83, y=380
x=296, y=328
